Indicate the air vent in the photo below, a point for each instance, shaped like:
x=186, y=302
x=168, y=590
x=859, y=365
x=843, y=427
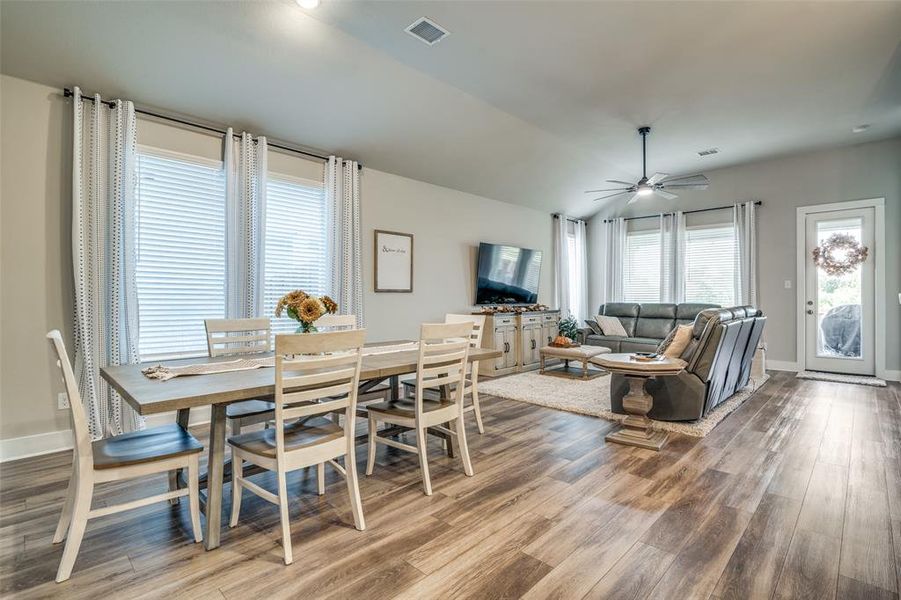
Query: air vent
x=427, y=31
x=709, y=151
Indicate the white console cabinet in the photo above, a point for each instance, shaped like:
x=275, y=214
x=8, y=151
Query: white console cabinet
x=518, y=337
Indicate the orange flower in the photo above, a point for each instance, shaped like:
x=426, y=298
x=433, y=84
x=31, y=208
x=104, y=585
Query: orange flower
x=331, y=306
x=310, y=309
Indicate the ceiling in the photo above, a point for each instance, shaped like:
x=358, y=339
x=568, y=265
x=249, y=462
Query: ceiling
x=527, y=102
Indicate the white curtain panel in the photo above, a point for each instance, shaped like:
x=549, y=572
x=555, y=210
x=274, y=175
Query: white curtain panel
x=744, y=219
x=104, y=251
x=579, y=296
x=245, y=190
x=672, y=262
x=616, y=255
x=561, y=266
x=342, y=196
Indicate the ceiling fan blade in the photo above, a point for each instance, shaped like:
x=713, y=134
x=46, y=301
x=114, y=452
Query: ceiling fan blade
x=609, y=190
x=665, y=194
x=696, y=178
x=685, y=186
x=634, y=198
x=657, y=178
x=608, y=196
x=630, y=184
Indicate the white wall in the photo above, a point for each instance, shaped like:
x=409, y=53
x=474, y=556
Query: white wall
x=36, y=258
x=849, y=173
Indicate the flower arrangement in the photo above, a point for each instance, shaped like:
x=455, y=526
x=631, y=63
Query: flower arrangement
x=305, y=309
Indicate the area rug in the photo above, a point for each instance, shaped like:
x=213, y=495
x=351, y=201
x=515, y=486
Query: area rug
x=839, y=378
x=592, y=397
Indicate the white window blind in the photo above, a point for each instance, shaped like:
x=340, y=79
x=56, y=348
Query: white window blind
x=297, y=248
x=641, y=271
x=181, y=253
x=710, y=255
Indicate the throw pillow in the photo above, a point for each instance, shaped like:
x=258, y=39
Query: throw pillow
x=662, y=346
x=595, y=328
x=611, y=325
x=680, y=341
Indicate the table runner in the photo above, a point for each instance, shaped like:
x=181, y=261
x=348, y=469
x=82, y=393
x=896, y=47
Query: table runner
x=165, y=373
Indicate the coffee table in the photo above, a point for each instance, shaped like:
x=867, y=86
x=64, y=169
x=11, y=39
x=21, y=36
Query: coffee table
x=578, y=353
x=637, y=403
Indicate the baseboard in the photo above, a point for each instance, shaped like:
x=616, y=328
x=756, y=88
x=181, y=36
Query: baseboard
x=57, y=441
x=892, y=375
x=782, y=365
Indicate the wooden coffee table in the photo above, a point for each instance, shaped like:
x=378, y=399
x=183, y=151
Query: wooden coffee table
x=578, y=353
x=638, y=402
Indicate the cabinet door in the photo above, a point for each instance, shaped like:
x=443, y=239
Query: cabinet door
x=510, y=339
x=500, y=343
x=531, y=343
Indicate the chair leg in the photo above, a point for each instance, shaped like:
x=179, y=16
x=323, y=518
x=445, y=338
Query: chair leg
x=236, y=426
x=464, y=447
x=237, y=489
x=80, y=509
x=66, y=516
x=353, y=489
x=283, y=511
x=370, y=464
x=194, y=496
x=422, y=446
x=320, y=478
x=475, y=404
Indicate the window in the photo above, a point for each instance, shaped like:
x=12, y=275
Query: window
x=297, y=248
x=710, y=263
x=181, y=253
x=641, y=271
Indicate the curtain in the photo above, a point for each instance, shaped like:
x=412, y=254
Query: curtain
x=342, y=195
x=561, y=266
x=245, y=216
x=579, y=263
x=104, y=252
x=672, y=253
x=616, y=256
x=744, y=220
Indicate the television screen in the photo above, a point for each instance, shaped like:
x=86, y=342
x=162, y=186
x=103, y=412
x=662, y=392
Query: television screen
x=507, y=275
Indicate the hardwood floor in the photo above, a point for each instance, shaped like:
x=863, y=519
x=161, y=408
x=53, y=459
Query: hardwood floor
x=797, y=494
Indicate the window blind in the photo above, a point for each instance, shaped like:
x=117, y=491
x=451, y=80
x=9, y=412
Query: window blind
x=181, y=254
x=641, y=271
x=297, y=248
x=710, y=255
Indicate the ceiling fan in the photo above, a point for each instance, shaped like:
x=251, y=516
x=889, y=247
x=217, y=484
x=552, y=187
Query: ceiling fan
x=659, y=183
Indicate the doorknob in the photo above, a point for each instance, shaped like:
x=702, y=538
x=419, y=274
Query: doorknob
x=809, y=311
x=810, y=303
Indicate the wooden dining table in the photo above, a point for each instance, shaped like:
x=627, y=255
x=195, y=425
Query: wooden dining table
x=181, y=394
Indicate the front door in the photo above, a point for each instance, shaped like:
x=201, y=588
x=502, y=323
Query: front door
x=839, y=309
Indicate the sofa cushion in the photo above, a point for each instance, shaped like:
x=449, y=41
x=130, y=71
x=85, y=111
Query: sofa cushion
x=687, y=311
x=604, y=340
x=594, y=327
x=654, y=328
x=639, y=344
x=657, y=311
x=626, y=312
x=611, y=325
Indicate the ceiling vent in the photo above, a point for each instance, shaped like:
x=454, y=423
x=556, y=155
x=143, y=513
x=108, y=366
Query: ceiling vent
x=709, y=151
x=427, y=31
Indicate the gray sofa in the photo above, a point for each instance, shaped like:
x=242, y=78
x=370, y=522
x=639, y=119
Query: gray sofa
x=719, y=358
x=646, y=325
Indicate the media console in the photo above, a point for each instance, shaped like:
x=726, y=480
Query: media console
x=519, y=336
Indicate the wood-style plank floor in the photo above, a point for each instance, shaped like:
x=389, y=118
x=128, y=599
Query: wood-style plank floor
x=797, y=494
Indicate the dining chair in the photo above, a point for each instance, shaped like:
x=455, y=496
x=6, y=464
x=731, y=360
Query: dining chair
x=336, y=322
x=443, y=354
x=239, y=337
x=471, y=388
x=315, y=374
x=156, y=450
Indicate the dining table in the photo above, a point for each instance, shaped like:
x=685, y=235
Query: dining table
x=217, y=390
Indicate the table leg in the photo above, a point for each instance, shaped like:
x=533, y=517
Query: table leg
x=585, y=369
x=394, y=388
x=541, y=363
x=215, y=468
x=635, y=430
x=182, y=418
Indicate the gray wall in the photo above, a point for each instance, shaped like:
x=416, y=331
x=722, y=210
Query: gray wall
x=849, y=173
x=36, y=256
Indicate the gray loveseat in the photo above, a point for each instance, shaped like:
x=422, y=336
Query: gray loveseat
x=646, y=325
x=719, y=359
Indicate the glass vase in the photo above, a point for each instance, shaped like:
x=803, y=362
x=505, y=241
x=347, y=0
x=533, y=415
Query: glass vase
x=305, y=327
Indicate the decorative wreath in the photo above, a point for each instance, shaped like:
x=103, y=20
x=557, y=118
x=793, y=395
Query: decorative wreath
x=839, y=254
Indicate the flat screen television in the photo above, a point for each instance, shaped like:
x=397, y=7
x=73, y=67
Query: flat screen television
x=507, y=275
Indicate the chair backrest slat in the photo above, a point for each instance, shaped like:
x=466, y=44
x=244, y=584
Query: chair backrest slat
x=233, y=337
x=83, y=449
x=334, y=322
x=443, y=355
x=478, y=326
x=315, y=374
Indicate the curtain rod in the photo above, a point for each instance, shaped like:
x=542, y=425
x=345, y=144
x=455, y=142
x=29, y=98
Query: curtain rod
x=69, y=93
x=685, y=212
x=557, y=216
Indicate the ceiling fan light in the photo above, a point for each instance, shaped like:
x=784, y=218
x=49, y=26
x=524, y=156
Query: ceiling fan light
x=308, y=4
x=645, y=190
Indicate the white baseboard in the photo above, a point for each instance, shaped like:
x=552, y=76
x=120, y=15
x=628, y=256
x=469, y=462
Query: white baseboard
x=57, y=441
x=892, y=375
x=782, y=365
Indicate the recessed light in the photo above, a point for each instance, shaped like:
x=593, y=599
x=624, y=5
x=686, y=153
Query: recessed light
x=308, y=4
x=860, y=128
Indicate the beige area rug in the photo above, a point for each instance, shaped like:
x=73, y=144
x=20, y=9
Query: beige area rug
x=592, y=397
